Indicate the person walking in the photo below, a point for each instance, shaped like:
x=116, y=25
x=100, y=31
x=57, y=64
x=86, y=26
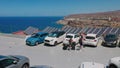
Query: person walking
x=70, y=43
x=80, y=41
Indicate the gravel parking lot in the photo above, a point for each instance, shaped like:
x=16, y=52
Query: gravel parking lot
x=54, y=56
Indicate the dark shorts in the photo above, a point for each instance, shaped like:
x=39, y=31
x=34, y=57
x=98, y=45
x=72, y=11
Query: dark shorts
x=81, y=44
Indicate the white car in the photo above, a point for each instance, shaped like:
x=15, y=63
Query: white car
x=91, y=39
x=114, y=62
x=55, y=37
x=75, y=38
x=91, y=65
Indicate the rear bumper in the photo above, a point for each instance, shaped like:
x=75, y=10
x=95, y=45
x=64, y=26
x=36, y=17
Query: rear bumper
x=90, y=43
x=109, y=44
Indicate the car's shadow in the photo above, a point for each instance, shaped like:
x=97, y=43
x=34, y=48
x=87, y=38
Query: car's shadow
x=89, y=46
x=47, y=45
x=109, y=46
x=41, y=66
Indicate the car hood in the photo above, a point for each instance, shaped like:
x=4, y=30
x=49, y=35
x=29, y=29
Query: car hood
x=110, y=40
x=32, y=39
x=18, y=57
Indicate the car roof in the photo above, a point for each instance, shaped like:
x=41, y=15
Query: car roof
x=71, y=34
x=111, y=34
x=116, y=58
x=91, y=65
x=58, y=32
x=91, y=35
x=41, y=32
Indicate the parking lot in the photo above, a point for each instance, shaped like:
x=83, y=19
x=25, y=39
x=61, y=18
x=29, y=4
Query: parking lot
x=54, y=56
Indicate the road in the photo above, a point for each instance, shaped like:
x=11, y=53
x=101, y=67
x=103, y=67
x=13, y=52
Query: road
x=54, y=56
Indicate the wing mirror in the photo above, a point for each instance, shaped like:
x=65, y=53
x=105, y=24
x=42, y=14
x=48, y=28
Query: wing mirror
x=14, y=62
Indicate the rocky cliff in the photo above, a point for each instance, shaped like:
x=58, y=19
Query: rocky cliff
x=100, y=19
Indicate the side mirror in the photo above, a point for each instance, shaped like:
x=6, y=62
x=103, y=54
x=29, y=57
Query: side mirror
x=14, y=62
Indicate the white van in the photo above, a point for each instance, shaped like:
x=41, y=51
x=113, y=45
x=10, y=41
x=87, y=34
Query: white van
x=91, y=65
x=55, y=37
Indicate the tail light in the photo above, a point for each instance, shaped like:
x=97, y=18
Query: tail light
x=95, y=40
x=84, y=39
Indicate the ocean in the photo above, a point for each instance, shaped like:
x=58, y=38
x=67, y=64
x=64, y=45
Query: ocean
x=13, y=24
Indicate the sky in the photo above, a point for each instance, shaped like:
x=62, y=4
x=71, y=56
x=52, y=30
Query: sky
x=55, y=7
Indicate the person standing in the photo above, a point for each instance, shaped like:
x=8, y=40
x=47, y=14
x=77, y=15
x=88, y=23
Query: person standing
x=70, y=43
x=80, y=41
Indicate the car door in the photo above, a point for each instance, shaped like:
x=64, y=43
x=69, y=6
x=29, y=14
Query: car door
x=61, y=37
x=8, y=63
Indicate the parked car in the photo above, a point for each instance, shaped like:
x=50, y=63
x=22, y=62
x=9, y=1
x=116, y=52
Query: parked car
x=15, y=61
x=91, y=65
x=114, y=62
x=55, y=37
x=75, y=38
x=111, y=40
x=36, y=38
x=91, y=39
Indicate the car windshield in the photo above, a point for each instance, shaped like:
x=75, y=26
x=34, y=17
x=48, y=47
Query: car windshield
x=90, y=37
x=52, y=35
x=69, y=36
x=35, y=35
x=110, y=36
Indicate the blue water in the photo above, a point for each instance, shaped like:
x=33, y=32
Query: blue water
x=12, y=24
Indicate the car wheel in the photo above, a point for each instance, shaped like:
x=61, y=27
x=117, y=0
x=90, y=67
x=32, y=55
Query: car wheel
x=55, y=43
x=112, y=66
x=25, y=66
x=119, y=44
x=36, y=43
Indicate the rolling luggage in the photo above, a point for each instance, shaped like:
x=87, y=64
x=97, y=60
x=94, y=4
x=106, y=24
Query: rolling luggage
x=65, y=47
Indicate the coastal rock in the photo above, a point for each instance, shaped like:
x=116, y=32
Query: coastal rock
x=101, y=19
x=64, y=22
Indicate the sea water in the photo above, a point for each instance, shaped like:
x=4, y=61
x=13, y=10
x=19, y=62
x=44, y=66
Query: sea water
x=13, y=24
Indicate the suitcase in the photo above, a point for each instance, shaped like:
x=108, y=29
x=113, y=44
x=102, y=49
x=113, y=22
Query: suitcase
x=65, y=47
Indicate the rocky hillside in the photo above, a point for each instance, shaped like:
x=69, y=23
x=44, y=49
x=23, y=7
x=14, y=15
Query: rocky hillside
x=100, y=19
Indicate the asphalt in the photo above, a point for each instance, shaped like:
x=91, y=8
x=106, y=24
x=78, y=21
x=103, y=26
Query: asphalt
x=54, y=56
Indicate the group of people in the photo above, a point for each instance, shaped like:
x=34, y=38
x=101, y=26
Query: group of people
x=72, y=44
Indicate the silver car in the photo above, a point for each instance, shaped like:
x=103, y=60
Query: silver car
x=15, y=61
